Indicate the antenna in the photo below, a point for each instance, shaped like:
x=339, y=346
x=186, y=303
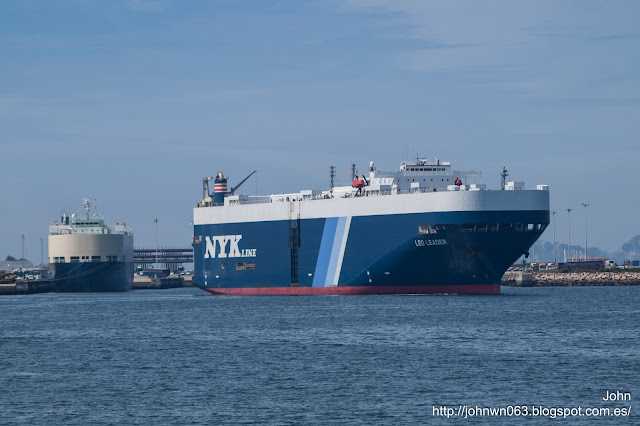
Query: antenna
x=332, y=176
x=504, y=175
x=95, y=207
x=87, y=206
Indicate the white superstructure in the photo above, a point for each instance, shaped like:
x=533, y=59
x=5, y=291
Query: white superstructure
x=416, y=187
x=88, y=239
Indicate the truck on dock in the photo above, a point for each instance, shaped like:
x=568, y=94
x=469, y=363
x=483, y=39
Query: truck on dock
x=155, y=272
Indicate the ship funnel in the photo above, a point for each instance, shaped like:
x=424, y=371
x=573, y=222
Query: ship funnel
x=219, y=189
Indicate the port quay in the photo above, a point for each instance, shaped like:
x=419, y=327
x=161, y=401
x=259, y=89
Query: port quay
x=171, y=259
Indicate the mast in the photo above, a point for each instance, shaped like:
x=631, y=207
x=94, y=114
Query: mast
x=332, y=177
x=504, y=175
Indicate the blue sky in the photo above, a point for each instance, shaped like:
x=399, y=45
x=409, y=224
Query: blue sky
x=133, y=102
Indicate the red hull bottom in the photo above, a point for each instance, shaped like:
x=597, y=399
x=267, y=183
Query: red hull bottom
x=362, y=290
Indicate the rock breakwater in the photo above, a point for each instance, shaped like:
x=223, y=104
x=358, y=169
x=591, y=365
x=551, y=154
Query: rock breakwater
x=568, y=279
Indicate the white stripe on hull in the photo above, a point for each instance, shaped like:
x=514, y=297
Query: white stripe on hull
x=343, y=246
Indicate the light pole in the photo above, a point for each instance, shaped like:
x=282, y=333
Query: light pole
x=156, y=222
x=555, y=260
x=585, y=205
x=569, y=247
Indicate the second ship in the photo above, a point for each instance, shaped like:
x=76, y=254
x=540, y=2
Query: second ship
x=86, y=255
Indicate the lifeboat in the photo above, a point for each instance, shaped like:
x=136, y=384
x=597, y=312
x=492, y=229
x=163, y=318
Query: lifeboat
x=358, y=183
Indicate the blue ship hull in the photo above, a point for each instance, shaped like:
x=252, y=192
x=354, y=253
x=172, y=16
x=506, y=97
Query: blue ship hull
x=463, y=252
x=92, y=276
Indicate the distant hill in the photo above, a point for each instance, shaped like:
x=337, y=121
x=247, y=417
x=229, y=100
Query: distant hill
x=631, y=249
x=543, y=251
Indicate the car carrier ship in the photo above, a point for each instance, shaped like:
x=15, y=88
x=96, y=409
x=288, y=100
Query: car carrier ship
x=86, y=255
x=425, y=228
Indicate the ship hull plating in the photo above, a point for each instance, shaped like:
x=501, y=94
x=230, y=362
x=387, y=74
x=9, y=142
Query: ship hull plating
x=92, y=276
x=463, y=252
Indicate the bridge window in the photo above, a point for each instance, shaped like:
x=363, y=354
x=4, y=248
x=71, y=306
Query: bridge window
x=95, y=258
x=519, y=227
x=245, y=266
x=75, y=259
x=493, y=227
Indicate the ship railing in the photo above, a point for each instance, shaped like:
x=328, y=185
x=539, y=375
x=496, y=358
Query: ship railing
x=128, y=232
x=63, y=230
x=59, y=230
x=368, y=192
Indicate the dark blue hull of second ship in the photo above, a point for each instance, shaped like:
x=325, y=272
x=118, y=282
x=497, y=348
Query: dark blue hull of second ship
x=461, y=252
x=92, y=276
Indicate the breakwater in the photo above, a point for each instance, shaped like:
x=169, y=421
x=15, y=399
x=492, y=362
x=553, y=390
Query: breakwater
x=568, y=279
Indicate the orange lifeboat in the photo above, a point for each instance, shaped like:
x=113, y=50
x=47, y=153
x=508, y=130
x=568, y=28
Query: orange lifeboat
x=358, y=183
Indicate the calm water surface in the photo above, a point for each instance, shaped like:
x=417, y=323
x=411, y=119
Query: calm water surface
x=182, y=356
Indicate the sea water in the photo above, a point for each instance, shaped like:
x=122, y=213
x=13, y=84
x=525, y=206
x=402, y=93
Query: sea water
x=183, y=356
